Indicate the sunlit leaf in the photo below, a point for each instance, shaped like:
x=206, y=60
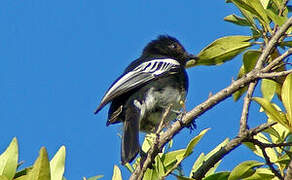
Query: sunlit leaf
x=129, y=167
x=222, y=49
x=218, y=176
x=3, y=177
x=194, y=142
x=271, y=111
x=249, y=59
x=170, y=157
x=202, y=158
x=41, y=167
x=95, y=177
x=256, y=150
x=268, y=89
x=261, y=13
x=9, y=159
x=265, y=3
x=182, y=178
x=237, y=94
x=117, y=175
x=244, y=170
x=57, y=164
x=254, y=7
x=287, y=97
x=148, y=141
x=237, y=20
x=261, y=174
x=150, y=174
x=279, y=20
x=159, y=167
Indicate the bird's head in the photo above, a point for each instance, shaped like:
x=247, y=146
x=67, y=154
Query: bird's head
x=168, y=46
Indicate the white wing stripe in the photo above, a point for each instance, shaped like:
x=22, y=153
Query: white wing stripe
x=151, y=67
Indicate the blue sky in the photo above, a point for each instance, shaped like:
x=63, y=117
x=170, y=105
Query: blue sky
x=59, y=57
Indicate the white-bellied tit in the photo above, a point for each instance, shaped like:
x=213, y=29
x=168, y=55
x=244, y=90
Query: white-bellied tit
x=148, y=86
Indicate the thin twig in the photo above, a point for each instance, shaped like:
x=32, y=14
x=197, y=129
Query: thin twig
x=162, y=122
x=245, y=109
x=267, y=145
x=275, y=74
x=277, y=60
x=267, y=158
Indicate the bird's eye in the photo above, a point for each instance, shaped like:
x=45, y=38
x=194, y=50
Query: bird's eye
x=172, y=46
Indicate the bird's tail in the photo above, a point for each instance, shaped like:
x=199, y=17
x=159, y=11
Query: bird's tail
x=130, y=141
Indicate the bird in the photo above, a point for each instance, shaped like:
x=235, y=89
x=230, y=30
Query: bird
x=147, y=87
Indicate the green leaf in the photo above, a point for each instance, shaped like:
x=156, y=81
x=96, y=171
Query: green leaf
x=284, y=160
x=199, y=161
x=261, y=13
x=256, y=150
x=265, y=3
x=271, y=111
x=279, y=20
x=237, y=20
x=268, y=88
x=41, y=167
x=57, y=164
x=3, y=177
x=182, y=178
x=218, y=176
x=261, y=173
x=202, y=158
x=278, y=135
x=159, y=167
x=170, y=157
x=95, y=177
x=286, y=43
x=287, y=97
x=117, y=175
x=150, y=174
x=194, y=142
x=241, y=4
x=129, y=167
x=148, y=141
x=237, y=94
x=217, y=148
x=252, y=6
x=244, y=170
x=274, y=135
x=8, y=160
x=223, y=49
x=249, y=59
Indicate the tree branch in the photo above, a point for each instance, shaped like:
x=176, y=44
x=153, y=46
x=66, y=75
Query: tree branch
x=245, y=109
x=267, y=158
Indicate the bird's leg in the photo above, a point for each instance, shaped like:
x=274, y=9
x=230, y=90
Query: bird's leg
x=192, y=125
x=182, y=113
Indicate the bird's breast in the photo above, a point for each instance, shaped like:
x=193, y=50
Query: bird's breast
x=156, y=101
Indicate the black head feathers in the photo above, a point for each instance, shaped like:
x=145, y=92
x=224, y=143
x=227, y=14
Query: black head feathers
x=167, y=46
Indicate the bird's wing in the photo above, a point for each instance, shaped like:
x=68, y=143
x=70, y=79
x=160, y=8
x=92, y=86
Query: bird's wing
x=143, y=73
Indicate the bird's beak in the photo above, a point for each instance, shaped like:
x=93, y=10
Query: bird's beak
x=192, y=57
x=191, y=60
